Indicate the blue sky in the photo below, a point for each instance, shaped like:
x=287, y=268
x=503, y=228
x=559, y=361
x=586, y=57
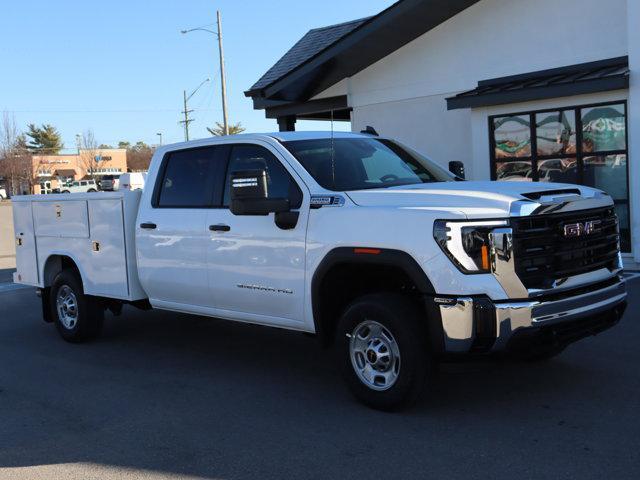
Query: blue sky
x=119, y=67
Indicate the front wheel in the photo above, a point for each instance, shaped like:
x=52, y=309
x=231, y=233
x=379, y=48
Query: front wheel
x=383, y=351
x=77, y=317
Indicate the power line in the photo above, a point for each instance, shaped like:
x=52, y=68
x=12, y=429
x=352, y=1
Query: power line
x=157, y=110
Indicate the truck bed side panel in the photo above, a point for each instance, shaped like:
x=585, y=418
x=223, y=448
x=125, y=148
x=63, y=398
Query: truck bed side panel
x=26, y=259
x=95, y=230
x=107, y=260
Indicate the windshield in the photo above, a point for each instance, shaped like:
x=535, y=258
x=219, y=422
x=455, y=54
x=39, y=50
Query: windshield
x=362, y=163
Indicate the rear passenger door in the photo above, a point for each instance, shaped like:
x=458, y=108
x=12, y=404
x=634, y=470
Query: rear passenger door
x=172, y=233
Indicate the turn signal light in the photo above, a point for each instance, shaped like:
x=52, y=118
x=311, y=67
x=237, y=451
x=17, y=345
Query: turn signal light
x=367, y=251
x=485, y=257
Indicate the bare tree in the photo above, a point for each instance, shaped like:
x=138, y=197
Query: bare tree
x=139, y=157
x=15, y=161
x=89, y=153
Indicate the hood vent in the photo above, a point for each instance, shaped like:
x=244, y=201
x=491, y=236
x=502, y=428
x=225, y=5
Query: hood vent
x=551, y=193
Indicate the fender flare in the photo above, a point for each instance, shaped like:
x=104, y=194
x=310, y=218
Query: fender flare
x=364, y=256
x=58, y=253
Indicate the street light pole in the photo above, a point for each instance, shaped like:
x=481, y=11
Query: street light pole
x=159, y=134
x=186, y=110
x=223, y=80
x=186, y=120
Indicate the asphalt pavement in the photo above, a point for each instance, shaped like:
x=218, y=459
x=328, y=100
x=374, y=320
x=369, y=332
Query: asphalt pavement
x=163, y=395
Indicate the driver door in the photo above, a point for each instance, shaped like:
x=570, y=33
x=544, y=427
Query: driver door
x=257, y=269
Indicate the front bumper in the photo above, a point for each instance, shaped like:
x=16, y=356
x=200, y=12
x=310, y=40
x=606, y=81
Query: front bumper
x=479, y=325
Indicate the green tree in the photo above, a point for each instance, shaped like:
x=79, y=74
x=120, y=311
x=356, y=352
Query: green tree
x=44, y=140
x=140, y=146
x=104, y=146
x=218, y=130
x=124, y=144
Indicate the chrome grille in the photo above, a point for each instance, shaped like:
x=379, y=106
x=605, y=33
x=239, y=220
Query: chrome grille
x=550, y=247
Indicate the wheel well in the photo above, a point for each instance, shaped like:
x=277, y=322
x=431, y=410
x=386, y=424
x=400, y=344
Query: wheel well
x=56, y=264
x=344, y=282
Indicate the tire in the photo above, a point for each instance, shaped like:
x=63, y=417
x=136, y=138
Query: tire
x=383, y=351
x=65, y=191
x=91, y=190
x=78, y=317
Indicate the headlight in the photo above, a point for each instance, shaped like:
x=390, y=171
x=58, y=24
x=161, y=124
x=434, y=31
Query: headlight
x=467, y=243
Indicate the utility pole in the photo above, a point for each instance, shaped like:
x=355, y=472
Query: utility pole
x=223, y=80
x=186, y=113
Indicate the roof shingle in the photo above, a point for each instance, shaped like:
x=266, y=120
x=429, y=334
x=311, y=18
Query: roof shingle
x=307, y=47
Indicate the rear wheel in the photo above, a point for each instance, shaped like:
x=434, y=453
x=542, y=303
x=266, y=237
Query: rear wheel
x=383, y=351
x=91, y=190
x=65, y=191
x=77, y=317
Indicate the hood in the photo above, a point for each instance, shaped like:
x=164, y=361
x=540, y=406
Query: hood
x=474, y=199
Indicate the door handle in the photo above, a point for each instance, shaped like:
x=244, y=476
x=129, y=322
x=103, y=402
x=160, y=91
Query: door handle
x=219, y=228
x=148, y=226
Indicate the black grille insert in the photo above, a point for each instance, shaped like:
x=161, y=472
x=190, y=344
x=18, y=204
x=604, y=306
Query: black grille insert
x=551, y=247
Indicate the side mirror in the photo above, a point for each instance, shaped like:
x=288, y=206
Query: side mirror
x=249, y=194
x=457, y=168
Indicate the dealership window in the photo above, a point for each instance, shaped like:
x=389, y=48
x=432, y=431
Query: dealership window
x=586, y=145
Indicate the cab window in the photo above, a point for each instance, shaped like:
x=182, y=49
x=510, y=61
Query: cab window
x=188, y=178
x=280, y=184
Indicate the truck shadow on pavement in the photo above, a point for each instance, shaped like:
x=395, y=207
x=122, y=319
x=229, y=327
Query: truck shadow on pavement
x=195, y=396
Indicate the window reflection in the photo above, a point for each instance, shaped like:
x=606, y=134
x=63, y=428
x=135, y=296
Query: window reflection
x=556, y=133
x=608, y=173
x=559, y=170
x=514, y=170
x=603, y=129
x=512, y=136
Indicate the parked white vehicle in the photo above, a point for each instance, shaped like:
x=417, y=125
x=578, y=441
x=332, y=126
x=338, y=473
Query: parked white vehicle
x=357, y=239
x=81, y=186
x=109, y=183
x=132, y=181
x=3, y=194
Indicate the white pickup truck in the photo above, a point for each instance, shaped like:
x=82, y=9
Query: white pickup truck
x=386, y=257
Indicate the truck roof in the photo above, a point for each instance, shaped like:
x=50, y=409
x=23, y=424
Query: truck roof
x=279, y=136
x=315, y=135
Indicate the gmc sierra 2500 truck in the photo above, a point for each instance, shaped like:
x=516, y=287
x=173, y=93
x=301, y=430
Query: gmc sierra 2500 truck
x=383, y=255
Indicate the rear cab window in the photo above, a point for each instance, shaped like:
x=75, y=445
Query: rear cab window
x=191, y=178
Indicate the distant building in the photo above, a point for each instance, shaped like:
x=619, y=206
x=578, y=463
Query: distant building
x=53, y=171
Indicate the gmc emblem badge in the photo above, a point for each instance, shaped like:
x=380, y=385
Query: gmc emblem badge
x=578, y=229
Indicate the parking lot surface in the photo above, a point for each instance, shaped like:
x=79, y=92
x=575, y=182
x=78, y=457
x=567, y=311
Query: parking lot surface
x=163, y=395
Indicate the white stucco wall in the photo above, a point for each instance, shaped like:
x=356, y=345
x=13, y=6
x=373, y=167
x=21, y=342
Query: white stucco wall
x=495, y=38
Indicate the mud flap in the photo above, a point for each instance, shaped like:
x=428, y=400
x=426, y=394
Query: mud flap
x=45, y=294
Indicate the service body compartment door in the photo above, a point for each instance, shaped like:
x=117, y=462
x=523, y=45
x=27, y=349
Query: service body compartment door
x=64, y=219
x=26, y=260
x=107, y=266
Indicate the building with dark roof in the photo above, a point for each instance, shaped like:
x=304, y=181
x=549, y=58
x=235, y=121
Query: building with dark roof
x=517, y=90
